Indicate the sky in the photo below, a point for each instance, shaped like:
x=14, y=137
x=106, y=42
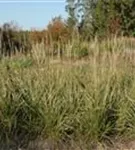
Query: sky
x=29, y=14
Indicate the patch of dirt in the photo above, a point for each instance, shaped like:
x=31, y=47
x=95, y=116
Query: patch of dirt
x=51, y=145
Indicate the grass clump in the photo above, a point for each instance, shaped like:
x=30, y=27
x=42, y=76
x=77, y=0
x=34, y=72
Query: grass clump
x=90, y=101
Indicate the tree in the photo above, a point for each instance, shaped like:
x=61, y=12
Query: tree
x=58, y=30
x=75, y=13
x=13, y=39
x=126, y=12
x=105, y=17
x=70, y=8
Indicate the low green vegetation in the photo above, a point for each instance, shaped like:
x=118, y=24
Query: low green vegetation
x=72, y=84
x=88, y=101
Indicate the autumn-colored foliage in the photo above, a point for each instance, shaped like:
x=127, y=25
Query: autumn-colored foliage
x=55, y=36
x=37, y=36
x=58, y=30
x=114, y=25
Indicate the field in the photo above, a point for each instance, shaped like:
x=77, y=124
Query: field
x=82, y=99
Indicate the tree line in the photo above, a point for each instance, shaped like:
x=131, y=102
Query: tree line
x=13, y=39
x=86, y=18
x=102, y=17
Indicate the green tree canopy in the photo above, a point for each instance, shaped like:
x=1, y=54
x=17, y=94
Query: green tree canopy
x=103, y=17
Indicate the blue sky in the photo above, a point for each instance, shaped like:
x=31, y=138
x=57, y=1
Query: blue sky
x=31, y=14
